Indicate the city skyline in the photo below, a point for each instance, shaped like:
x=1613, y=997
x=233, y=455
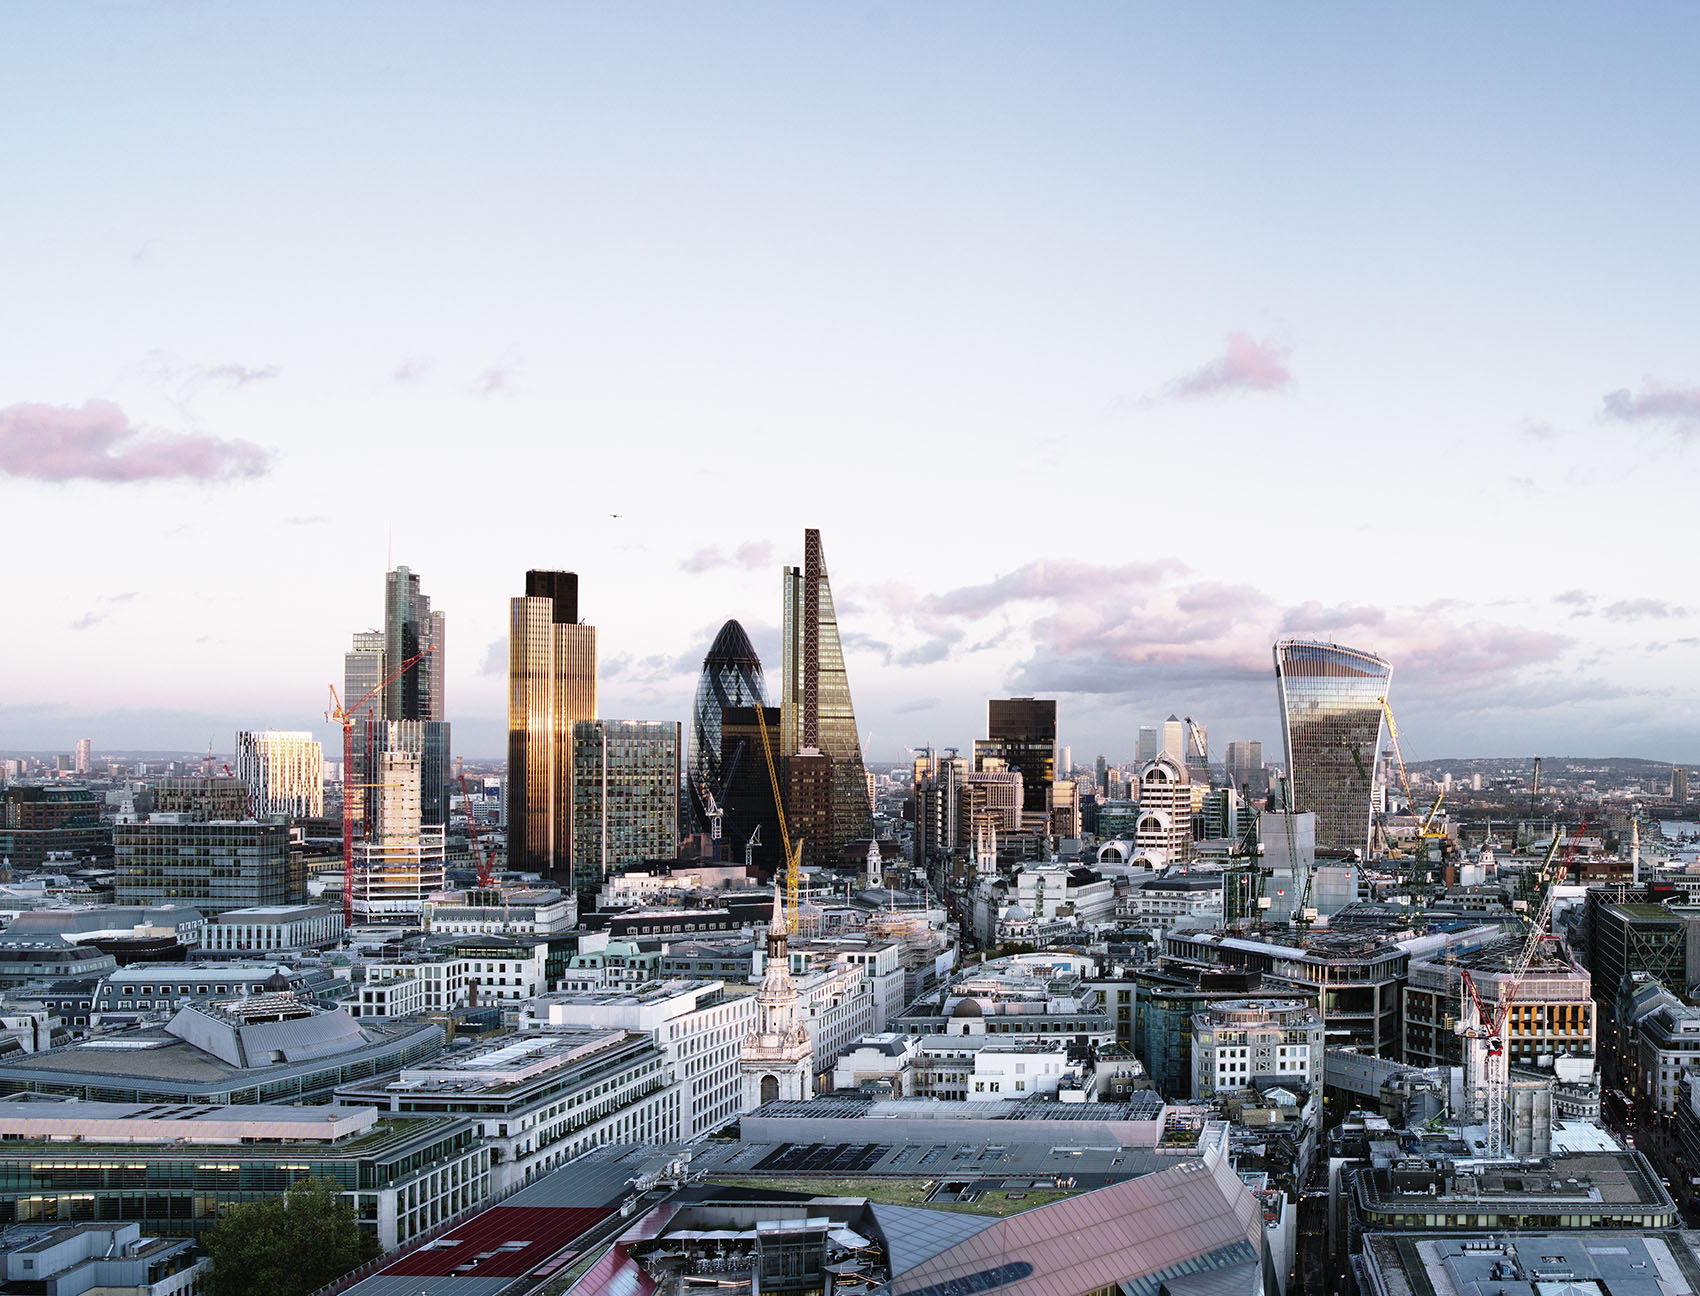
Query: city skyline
x=1370, y=307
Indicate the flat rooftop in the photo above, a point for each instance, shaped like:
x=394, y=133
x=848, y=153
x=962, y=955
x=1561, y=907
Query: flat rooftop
x=1624, y=1264
x=179, y=1122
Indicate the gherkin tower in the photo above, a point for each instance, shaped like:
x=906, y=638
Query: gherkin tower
x=731, y=677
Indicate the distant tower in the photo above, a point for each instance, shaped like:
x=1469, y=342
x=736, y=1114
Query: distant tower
x=1174, y=738
x=551, y=686
x=1147, y=746
x=284, y=772
x=731, y=677
x=1331, y=716
x=85, y=753
x=876, y=869
x=777, y=1061
x=817, y=712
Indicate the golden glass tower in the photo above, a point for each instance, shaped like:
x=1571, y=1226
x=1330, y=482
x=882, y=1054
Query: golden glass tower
x=551, y=687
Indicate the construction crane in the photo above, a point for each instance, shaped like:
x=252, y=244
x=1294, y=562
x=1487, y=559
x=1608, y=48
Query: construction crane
x=486, y=870
x=716, y=805
x=1200, y=742
x=793, y=858
x=1487, y=1061
x=338, y=714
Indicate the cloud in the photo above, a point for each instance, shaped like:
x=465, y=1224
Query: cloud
x=1246, y=366
x=1044, y=579
x=89, y=620
x=916, y=705
x=1539, y=431
x=411, y=370
x=1642, y=609
x=495, y=658
x=99, y=443
x=1574, y=598
x=236, y=375
x=495, y=381
x=751, y=556
x=1676, y=407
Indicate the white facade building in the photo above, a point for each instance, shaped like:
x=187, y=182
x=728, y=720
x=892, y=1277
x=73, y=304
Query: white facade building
x=1163, y=832
x=477, y=970
x=275, y=927
x=777, y=1060
x=698, y=1025
x=284, y=772
x=1239, y=1042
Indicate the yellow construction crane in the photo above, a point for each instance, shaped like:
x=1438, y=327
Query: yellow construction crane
x=1428, y=829
x=793, y=858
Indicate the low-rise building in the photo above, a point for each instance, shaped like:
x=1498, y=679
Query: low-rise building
x=540, y=1100
x=502, y=911
x=106, y=1259
x=699, y=1026
x=458, y=971
x=275, y=928
x=183, y=1166
x=1173, y=901
x=1552, y=1013
x=1255, y=1043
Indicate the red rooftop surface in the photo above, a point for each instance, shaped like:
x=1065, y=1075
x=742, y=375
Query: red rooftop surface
x=502, y=1242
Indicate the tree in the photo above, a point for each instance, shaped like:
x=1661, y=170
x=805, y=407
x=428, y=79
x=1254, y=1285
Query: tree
x=289, y=1245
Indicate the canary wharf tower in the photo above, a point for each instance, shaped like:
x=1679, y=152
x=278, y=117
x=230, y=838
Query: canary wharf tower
x=817, y=712
x=731, y=677
x=1331, y=709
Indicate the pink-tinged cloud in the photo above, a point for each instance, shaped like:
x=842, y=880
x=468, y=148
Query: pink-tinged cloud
x=751, y=556
x=1246, y=366
x=99, y=443
x=1677, y=407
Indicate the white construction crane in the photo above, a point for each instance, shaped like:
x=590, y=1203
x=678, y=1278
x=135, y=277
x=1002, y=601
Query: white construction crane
x=1487, y=1059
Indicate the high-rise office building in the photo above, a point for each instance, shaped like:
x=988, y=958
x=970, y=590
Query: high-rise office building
x=1164, y=831
x=85, y=754
x=411, y=628
x=284, y=772
x=751, y=827
x=731, y=677
x=1023, y=731
x=817, y=713
x=1174, y=739
x=1065, y=761
x=625, y=785
x=1146, y=747
x=1245, y=769
x=551, y=687
x=362, y=673
x=1331, y=712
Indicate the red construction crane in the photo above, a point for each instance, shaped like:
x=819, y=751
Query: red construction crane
x=486, y=873
x=345, y=716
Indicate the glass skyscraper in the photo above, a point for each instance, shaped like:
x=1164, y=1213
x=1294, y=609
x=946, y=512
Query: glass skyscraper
x=731, y=677
x=1331, y=709
x=551, y=687
x=625, y=789
x=817, y=714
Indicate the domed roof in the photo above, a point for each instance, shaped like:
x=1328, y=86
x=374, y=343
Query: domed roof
x=732, y=647
x=1015, y=913
x=277, y=981
x=968, y=1008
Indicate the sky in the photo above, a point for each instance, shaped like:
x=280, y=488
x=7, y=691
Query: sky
x=1105, y=344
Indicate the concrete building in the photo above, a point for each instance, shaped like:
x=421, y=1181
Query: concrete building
x=698, y=1026
x=283, y=771
x=1360, y=978
x=462, y=971
x=1163, y=833
x=404, y=859
x=39, y=823
x=504, y=911
x=1173, y=901
x=268, y=928
x=209, y=866
x=1552, y=1014
x=539, y=1101
x=105, y=1259
x=1253, y=1043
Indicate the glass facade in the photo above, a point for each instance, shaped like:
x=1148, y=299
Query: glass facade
x=551, y=687
x=817, y=711
x=426, y=739
x=1024, y=732
x=625, y=788
x=731, y=677
x=211, y=866
x=284, y=772
x=1331, y=710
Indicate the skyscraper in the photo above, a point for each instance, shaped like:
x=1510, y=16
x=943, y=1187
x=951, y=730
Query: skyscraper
x=1245, y=769
x=1146, y=747
x=731, y=677
x=85, y=754
x=411, y=628
x=817, y=712
x=551, y=687
x=1023, y=731
x=1331, y=711
x=751, y=810
x=625, y=795
x=362, y=673
x=284, y=772
x=1174, y=738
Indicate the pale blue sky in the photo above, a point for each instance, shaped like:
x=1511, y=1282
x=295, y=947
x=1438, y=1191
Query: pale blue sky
x=955, y=283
